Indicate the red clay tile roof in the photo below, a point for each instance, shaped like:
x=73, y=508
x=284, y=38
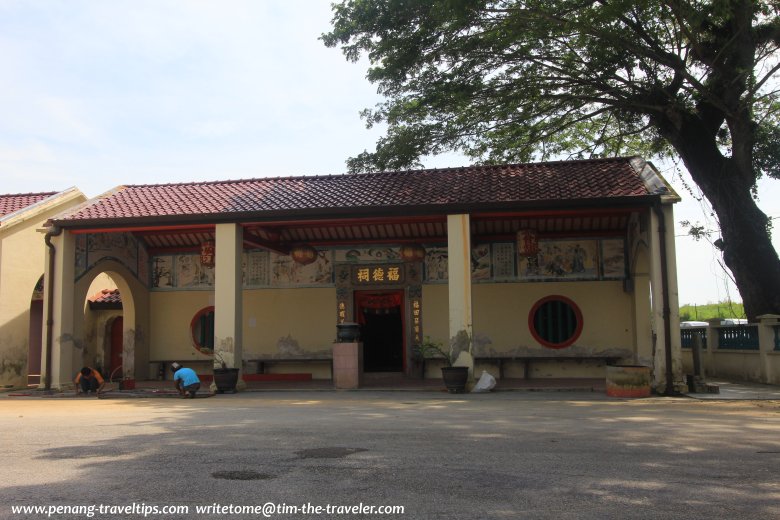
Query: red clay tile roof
x=12, y=203
x=471, y=186
x=106, y=296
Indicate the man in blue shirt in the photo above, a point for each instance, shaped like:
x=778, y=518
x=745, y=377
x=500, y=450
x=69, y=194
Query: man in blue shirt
x=186, y=380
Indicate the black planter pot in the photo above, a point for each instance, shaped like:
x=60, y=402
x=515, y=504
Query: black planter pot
x=226, y=379
x=455, y=379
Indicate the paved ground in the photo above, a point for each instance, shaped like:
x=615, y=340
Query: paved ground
x=561, y=455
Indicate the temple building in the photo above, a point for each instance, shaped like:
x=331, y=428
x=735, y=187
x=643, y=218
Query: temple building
x=545, y=270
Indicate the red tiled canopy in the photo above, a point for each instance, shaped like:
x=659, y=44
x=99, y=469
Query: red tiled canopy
x=437, y=189
x=12, y=203
x=106, y=299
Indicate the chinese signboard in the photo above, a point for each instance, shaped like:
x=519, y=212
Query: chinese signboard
x=377, y=274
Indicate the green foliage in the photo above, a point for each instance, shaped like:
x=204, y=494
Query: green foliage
x=519, y=80
x=430, y=349
x=522, y=80
x=724, y=309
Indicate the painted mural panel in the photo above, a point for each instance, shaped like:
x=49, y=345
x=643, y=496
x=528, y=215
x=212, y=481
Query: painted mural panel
x=162, y=272
x=503, y=261
x=257, y=269
x=613, y=258
x=480, y=262
x=191, y=274
x=562, y=260
x=436, y=264
x=124, y=248
x=121, y=246
x=368, y=254
x=286, y=272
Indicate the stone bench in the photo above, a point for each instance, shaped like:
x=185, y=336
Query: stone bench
x=264, y=362
x=528, y=359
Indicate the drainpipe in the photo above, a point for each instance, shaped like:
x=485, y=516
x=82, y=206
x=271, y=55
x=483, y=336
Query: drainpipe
x=52, y=232
x=665, y=291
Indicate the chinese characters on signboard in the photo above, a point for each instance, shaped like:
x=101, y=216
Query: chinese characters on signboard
x=377, y=274
x=342, y=311
x=416, y=305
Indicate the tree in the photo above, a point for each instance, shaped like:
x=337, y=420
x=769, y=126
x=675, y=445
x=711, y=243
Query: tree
x=522, y=80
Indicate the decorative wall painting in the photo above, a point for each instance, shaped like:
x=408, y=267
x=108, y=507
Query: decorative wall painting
x=480, y=262
x=162, y=272
x=613, y=259
x=436, y=264
x=191, y=273
x=562, y=260
x=257, y=268
x=286, y=272
x=368, y=254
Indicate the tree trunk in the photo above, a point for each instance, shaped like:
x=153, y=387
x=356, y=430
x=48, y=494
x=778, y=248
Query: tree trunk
x=747, y=245
x=749, y=253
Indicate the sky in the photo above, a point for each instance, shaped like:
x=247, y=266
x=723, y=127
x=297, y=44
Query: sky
x=98, y=94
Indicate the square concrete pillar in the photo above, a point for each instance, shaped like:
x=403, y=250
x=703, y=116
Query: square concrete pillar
x=60, y=329
x=228, y=297
x=766, y=347
x=347, y=365
x=459, y=288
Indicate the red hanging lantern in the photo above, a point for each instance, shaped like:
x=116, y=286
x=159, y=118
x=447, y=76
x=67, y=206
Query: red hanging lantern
x=527, y=242
x=207, y=253
x=412, y=253
x=303, y=254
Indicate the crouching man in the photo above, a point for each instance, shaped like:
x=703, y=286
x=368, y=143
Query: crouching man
x=89, y=380
x=186, y=380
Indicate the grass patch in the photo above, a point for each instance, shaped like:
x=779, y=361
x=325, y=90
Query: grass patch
x=725, y=309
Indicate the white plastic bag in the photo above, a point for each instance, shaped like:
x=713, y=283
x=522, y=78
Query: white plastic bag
x=485, y=384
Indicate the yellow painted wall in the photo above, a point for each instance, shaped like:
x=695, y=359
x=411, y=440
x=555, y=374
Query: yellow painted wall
x=169, y=324
x=501, y=323
x=22, y=263
x=273, y=319
x=501, y=313
x=436, y=313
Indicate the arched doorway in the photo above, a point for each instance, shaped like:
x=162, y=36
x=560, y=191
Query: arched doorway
x=35, y=342
x=107, y=315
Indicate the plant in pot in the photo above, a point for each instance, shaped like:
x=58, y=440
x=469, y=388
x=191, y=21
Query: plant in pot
x=455, y=378
x=225, y=379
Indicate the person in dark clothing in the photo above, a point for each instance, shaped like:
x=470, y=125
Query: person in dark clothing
x=89, y=380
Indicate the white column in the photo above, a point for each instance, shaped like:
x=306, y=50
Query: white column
x=459, y=285
x=64, y=357
x=674, y=296
x=228, y=297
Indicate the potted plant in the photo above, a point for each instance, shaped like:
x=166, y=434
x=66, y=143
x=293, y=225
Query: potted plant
x=225, y=379
x=455, y=378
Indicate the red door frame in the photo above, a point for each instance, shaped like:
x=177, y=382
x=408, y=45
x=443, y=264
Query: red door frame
x=362, y=298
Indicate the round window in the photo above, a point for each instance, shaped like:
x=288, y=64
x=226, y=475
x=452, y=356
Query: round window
x=555, y=321
x=202, y=329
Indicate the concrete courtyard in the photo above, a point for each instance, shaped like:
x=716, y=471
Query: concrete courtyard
x=501, y=455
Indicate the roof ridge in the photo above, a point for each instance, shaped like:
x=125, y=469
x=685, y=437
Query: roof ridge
x=40, y=193
x=378, y=173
